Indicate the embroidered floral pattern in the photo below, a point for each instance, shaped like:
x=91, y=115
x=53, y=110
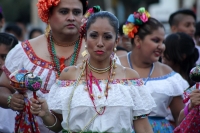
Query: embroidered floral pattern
x=34, y=58
x=135, y=82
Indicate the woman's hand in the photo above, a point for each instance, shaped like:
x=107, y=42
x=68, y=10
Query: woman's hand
x=39, y=107
x=194, y=99
x=17, y=102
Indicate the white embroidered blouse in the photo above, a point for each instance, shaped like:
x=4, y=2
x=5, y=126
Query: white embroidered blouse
x=127, y=100
x=163, y=89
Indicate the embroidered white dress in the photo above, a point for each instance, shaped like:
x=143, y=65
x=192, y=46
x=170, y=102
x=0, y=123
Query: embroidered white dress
x=23, y=56
x=127, y=100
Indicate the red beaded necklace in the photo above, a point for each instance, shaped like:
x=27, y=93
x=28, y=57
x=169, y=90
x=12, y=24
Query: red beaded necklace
x=59, y=63
x=89, y=86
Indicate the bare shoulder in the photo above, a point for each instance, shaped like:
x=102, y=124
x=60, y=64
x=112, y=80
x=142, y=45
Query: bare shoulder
x=68, y=73
x=38, y=40
x=164, y=69
x=129, y=73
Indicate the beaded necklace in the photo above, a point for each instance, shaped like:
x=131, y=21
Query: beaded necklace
x=59, y=63
x=89, y=86
x=102, y=109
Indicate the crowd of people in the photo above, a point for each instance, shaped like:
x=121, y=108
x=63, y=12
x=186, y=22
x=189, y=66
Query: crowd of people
x=98, y=75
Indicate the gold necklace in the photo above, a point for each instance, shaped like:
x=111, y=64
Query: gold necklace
x=99, y=71
x=83, y=67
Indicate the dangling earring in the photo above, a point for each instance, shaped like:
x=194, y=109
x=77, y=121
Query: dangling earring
x=47, y=30
x=84, y=53
x=115, y=49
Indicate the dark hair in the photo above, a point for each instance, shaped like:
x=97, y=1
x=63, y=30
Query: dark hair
x=104, y=14
x=9, y=40
x=85, y=5
x=197, y=27
x=174, y=21
x=178, y=45
x=35, y=30
x=15, y=29
x=147, y=28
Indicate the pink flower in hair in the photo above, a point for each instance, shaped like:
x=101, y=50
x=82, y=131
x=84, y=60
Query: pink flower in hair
x=144, y=17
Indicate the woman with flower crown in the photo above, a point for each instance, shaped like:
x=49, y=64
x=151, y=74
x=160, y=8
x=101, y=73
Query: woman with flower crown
x=165, y=85
x=47, y=54
x=98, y=95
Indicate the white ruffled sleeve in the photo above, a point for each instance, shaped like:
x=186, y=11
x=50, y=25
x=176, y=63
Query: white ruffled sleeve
x=53, y=100
x=143, y=102
x=58, y=96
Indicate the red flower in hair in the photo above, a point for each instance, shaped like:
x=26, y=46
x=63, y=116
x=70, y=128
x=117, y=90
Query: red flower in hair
x=43, y=8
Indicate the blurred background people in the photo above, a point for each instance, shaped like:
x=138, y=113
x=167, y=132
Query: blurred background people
x=183, y=21
x=2, y=21
x=197, y=39
x=35, y=32
x=15, y=30
x=180, y=54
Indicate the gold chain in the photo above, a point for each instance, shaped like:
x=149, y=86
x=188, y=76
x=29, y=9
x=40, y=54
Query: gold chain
x=99, y=71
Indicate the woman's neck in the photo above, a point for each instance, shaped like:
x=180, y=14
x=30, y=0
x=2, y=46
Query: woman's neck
x=137, y=61
x=99, y=64
x=65, y=40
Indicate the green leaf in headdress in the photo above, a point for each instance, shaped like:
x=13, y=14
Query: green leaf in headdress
x=141, y=10
x=97, y=8
x=138, y=22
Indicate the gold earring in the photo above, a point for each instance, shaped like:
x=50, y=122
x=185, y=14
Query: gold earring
x=115, y=49
x=47, y=30
x=84, y=53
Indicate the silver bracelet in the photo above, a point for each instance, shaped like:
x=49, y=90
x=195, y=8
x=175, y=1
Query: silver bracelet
x=53, y=124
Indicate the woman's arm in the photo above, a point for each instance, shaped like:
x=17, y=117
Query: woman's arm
x=142, y=126
x=176, y=106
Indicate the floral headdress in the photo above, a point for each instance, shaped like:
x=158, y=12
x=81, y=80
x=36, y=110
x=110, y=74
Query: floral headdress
x=44, y=6
x=134, y=21
x=90, y=11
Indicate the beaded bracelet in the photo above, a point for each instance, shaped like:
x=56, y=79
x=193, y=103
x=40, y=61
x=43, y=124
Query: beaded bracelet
x=54, y=123
x=186, y=109
x=9, y=100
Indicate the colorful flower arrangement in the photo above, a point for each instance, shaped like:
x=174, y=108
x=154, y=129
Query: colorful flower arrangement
x=134, y=21
x=90, y=11
x=43, y=8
